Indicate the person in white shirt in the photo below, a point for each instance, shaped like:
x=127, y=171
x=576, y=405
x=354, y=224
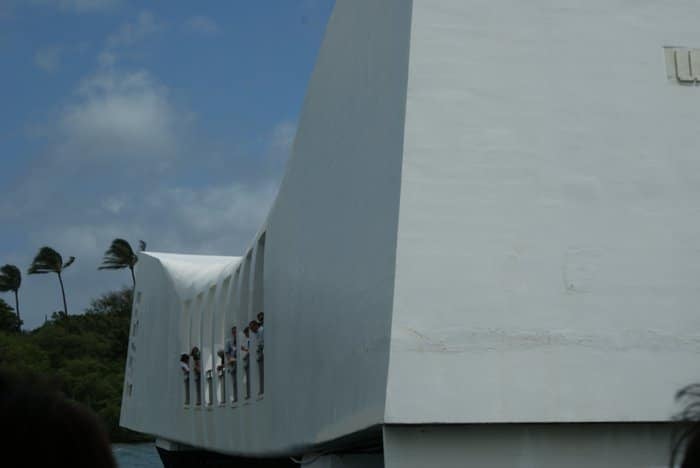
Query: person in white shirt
x=185, y=363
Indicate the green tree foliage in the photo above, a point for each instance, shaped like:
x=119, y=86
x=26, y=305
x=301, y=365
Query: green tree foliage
x=18, y=353
x=83, y=355
x=9, y=322
x=120, y=255
x=47, y=260
x=11, y=280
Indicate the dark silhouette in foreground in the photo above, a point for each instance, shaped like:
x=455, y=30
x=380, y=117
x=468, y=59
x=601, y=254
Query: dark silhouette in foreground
x=44, y=428
x=686, y=447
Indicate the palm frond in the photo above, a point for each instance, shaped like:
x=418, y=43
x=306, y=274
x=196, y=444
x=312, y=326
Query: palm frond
x=68, y=263
x=10, y=278
x=47, y=260
x=111, y=266
x=119, y=255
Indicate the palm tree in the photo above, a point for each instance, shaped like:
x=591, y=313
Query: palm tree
x=50, y=261
x=120, y=255
x=11, y=280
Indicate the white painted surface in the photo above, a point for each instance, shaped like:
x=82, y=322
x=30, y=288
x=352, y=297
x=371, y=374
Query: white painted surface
x=549, y=238
x=328, y=270
x=501, y=229
x=527, y=446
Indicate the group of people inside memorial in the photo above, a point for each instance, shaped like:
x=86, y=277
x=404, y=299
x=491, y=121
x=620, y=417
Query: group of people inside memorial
x=251, y=341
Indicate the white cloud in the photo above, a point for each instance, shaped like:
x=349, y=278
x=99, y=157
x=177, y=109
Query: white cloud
x=203, y=25
x=48, y=58
x=128, y=115
x=106, y=59
x=81, y=6
x=132, y=33
x=311, y=10
x=217, y=212
x=114, y=204
x=282, y=136
x=6, y=10
x=99, y=178
x=172, y=216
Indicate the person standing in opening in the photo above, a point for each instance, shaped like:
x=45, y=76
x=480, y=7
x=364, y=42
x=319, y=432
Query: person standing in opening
x=245, y=347
x=253, y=326
x=185, y=366
x=231, y=352
x=260, y=351
x=221, y=375
x=222, y=360
x=231, y=347
x=197, y=358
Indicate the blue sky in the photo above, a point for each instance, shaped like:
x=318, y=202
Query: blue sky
x=164, y=121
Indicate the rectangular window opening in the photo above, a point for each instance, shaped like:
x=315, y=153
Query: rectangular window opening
x=220, y=340
x=210, y=388
x=185, y=358
x=245, y=314
x=196, y=352
x=186, y=381
x=208, y=346
x=233, y=352
x=259, y=313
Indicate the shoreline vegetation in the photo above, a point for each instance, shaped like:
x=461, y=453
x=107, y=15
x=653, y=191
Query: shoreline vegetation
x=82, y=355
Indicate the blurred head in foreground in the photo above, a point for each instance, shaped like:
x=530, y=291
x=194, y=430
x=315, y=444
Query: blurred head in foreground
x=686, y=447
x=44, y=428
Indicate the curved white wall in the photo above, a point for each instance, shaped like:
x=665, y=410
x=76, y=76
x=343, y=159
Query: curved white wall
x=328, y=265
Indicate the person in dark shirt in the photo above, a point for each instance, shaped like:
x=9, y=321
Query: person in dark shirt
x=245, y=347
x=197, y=358
x=44, y=428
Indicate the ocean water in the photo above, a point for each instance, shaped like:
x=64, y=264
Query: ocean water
x=136, y=455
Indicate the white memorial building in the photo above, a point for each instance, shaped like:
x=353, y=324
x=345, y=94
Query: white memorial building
x=485, y=250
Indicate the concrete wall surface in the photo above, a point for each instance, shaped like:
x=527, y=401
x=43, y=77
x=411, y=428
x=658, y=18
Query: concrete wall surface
x=528, y=446
x=549, y=239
